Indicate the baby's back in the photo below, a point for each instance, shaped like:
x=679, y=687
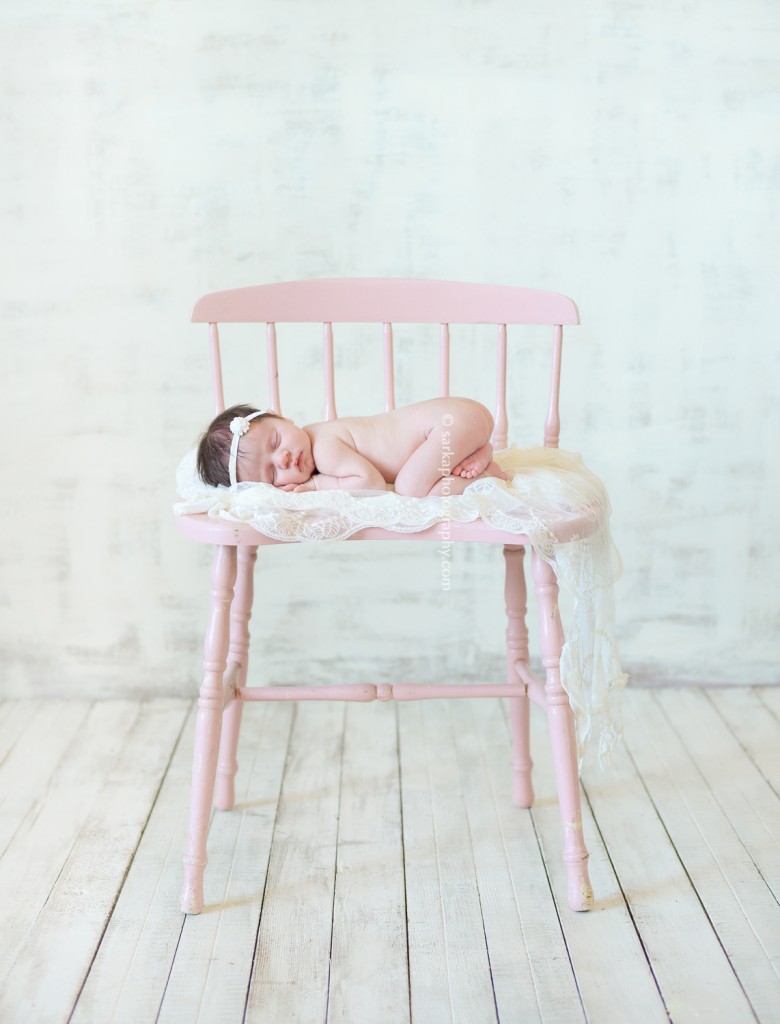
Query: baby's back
x=388, y=439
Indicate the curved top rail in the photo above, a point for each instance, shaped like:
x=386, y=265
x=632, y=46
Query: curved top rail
x=386, y=300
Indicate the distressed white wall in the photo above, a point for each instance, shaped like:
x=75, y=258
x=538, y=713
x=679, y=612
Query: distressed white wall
x=626, y=155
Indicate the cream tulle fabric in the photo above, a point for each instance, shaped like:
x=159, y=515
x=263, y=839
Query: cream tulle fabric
x=551, y=498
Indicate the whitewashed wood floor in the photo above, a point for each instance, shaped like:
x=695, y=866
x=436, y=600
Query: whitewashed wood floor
x=375, y=870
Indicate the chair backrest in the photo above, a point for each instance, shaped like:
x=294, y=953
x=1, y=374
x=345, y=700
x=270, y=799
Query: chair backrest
x=387, y=301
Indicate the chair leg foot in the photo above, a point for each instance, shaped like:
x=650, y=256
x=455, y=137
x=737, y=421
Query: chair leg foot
x=522, y=792
x=192, y=891
x=579, y=893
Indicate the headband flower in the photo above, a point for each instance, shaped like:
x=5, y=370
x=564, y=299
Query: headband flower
x=239, y=425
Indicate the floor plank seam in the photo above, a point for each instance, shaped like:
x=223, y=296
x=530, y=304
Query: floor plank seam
x=505, y=847
x=474, y=862
x=73, y=846
x=183, y=915
x=403, y=855
x=37, y=809
x=487, y=952
x=336, y=858
x=714, y=793
x=542, y=858
x=171, y=841
x=540, y=846
x=747, y=753
x=253, y=964
x=759, y=692
x=33, y=714
x=690, y=880
x=31, y=926
x=435, y=837
x=745, y=796
x=626, y=900
x=726, y=883
x=170, y=969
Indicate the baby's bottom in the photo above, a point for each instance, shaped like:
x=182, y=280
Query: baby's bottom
x=456, y=452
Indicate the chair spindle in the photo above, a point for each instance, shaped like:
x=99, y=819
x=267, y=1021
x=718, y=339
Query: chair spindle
x=216, y=369
x=327, y=356
x=501, y=428
x=387, y=333
x=273, y=369
x=444, y=361
x=552, y=425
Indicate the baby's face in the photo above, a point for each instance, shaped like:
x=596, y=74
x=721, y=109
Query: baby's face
x=274, y=451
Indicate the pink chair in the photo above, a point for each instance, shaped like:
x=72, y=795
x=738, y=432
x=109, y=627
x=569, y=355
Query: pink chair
x=225, y=689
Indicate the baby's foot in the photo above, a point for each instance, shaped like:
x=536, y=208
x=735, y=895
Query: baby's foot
x=475, y=463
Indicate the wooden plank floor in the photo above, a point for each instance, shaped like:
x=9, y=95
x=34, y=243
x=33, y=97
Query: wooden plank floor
x=374, y=869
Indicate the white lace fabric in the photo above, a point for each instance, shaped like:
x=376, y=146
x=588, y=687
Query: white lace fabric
x=550, y=498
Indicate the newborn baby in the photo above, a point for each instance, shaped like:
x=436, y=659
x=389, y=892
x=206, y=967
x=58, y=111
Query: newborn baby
x=430, y=448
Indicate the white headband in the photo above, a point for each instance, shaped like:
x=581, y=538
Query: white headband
x=238, y=427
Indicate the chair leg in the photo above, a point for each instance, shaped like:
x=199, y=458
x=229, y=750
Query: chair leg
x=207, y=727
x=240, y=614
x=517, y=650
x=561, y=724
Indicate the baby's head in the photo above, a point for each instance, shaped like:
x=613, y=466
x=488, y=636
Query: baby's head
x=244, y=444
x=214, y=446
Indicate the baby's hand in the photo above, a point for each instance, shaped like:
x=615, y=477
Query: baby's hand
x=295, y=488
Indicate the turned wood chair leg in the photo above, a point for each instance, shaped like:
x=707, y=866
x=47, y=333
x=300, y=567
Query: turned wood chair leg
x=562, y=737
x=517, y=650
x=207, y=727
x=238, y=662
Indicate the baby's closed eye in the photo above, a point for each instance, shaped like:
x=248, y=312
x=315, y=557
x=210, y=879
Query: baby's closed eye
x=274, y=446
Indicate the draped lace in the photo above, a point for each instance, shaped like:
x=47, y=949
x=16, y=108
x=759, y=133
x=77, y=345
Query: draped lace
x=550, y=498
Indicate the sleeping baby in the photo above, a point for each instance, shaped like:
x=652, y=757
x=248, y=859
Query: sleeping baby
x=430, y=448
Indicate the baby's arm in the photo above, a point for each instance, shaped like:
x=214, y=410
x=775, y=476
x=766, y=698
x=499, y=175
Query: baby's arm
x=341, y=468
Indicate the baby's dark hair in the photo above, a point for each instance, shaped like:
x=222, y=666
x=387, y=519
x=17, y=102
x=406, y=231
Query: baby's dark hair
x=214, y=446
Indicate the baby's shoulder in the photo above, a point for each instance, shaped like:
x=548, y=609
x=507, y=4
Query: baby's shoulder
x=329, y=431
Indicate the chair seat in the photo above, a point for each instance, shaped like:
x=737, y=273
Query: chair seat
x=210, y=530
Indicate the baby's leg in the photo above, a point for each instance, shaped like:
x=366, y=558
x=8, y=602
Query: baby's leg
x=458, y=484
x=447, y=444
